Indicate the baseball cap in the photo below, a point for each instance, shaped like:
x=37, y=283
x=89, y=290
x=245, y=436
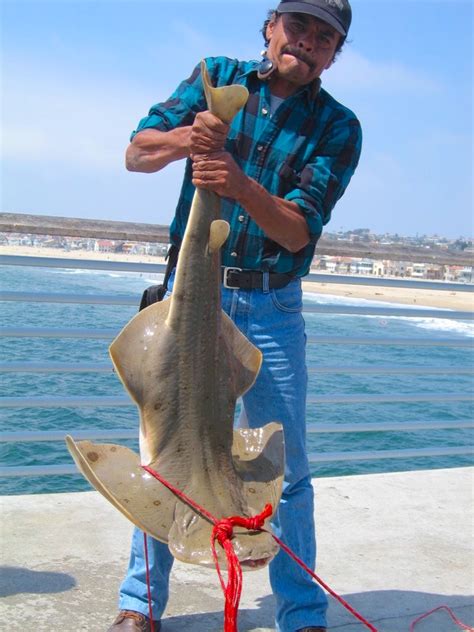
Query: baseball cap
x=337, y=13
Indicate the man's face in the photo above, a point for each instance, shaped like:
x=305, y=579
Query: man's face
x=301, y=46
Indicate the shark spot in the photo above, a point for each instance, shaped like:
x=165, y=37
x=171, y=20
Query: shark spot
x=93, y=456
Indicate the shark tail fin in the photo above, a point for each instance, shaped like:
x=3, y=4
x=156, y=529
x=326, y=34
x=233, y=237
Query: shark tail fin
x=224, y=101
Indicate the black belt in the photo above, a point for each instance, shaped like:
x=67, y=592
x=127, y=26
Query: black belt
x=237, y=279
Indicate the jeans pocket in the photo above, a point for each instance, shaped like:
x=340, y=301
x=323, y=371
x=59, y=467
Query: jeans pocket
x=289, y=298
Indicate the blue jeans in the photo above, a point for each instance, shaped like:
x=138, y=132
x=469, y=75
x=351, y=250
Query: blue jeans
x=272, y=320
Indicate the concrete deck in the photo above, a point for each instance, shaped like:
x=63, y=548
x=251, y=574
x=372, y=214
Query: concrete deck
x=394, y=545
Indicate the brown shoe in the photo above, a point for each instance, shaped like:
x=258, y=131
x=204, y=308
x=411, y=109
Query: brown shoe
x=130, y=621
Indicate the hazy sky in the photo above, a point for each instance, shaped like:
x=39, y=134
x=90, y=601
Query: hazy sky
x=78, y=75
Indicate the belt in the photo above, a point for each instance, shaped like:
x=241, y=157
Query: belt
x=238, y=279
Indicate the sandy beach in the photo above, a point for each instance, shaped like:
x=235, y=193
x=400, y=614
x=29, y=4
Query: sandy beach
x=446, y=299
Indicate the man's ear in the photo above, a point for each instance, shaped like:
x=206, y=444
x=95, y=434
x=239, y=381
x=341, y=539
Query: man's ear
x=270, y=28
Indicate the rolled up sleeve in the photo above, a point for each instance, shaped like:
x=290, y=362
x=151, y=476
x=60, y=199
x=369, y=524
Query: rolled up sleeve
x=179, y=110
x=325, y=177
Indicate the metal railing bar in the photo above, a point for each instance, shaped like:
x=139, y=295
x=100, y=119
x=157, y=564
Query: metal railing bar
x=371, y=455
x=57, y=367
x=381, y=340
x=406, y=312
x=96, y=367
x=404, y=426
x=346, y=279
x=386, y=398
x=107, y=401
x=34, y=436
x=50, y=332
x=390, y=370
x=50, y=297
x=37, y=470
x=56, y=332
x=104, y=299
x=44, y=401
x=81, y=264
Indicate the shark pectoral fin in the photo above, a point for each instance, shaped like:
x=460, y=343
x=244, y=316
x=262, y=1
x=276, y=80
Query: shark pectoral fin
x=259, y=459
x=115, y=472
x=137, y=343
x=245, y=359
x=218, y=233
x=225, y=101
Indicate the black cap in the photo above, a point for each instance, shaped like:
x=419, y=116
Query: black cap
x=337, y=13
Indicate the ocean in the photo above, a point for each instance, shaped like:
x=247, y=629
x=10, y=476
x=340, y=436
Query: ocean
x=114, y=317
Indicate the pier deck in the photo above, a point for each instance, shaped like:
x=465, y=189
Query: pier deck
x=393, y=545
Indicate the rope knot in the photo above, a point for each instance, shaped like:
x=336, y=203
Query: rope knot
x=255, y=523
x=223, y=531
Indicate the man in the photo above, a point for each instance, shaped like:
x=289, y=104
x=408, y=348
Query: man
x=280, y=168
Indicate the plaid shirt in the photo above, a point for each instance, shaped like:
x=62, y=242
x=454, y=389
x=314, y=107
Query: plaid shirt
x=306, y=152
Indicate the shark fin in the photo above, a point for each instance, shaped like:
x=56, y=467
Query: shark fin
x=245, y=360
x=116, y=473
x=131, y=348
x=225, y=101
x=218, y=233
x=259, y=460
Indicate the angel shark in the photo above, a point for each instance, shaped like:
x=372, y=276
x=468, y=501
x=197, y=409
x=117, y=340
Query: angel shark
x=184, y=363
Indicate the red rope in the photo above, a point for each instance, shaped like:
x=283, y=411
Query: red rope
x=462, y=625
x=324, y=585
x=223, y=533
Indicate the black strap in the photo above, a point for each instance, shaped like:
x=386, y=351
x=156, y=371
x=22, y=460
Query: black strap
x=253, y=279
x=156, y=293
x=172, y=257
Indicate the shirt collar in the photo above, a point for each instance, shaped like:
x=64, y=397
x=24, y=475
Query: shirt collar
x=310, y=90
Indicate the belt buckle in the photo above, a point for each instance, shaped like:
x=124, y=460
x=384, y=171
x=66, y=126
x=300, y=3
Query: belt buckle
x=228, y=269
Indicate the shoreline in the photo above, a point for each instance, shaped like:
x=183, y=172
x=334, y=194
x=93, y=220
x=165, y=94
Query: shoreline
x=445, y=299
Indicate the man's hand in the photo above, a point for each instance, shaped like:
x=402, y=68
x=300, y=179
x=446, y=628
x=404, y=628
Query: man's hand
x=220, y=173
x=208, y=134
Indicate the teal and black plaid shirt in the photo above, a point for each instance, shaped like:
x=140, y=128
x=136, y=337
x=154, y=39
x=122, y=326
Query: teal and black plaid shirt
x=306, y=152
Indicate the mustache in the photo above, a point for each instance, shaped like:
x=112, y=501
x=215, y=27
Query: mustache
x=299, y=54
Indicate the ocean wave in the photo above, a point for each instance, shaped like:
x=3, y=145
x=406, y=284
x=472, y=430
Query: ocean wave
x=446, y=325
x=463, y=328
x=332, y=299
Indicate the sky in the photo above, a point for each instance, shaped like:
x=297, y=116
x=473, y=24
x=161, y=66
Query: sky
x=77, y=75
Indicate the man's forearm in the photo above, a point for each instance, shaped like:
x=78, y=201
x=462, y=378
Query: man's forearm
x=151, y=150
x=280, y=219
